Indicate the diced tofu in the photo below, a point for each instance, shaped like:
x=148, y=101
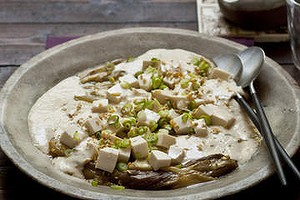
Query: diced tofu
x=208, y=109
x=163, y=96
x=116, y=93
x=107, y=159
x=146, y=117
x=159, y=159
x=172, y=114
x=219, y=73
x=222, y=118
x=176, y=154
x=180, y=126
x=165, y=140
x=145, y=81
x=130, y=79
x=93, y=125
x=219, y=116
x=100, y=105
x=200, y=128
x=124, y=154
x=170, y=81
x=72, y=137
x=139, y=147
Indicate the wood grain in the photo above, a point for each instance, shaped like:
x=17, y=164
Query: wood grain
x=107, y=11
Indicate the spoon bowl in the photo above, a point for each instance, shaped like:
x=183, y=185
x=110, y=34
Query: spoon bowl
x=230, y=63
x=252, y=59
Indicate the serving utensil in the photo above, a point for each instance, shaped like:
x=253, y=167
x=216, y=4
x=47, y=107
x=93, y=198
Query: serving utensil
x=251, y=61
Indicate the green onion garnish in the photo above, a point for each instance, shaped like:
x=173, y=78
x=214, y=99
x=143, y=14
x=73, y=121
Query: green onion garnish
x=184, y=83
x=185, y=117
x=94, y=183
x=206, y=118
x=117, y=187
x=153, y=126
x=156, y=82
x=121, y=166
x=113, y=119
x=151, y=138
x=125, y=85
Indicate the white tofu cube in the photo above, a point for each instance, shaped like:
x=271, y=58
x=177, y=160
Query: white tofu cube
x=139, y=147
x=222, y=118
x=93, y=125
x=208, y=109
x=200, y=128
x=159, y=159
x=100, y=106
x=130, y=79
x=165, y=140
x=180, y=126
x=172, y=114
x=124, y=154
x=146, y=117
x=176, y=154
x=72, y=137
x=219, y=73
x=145, y=81
x=107, y=159
x=116, y=93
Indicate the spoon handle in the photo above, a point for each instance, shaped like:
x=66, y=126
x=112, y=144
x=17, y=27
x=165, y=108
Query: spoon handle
x=267, y=133
x=282, y=152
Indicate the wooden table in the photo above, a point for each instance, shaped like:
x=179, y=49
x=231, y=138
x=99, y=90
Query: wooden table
x=25, y=26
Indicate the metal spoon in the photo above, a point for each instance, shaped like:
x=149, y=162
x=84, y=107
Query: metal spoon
x=251, y=61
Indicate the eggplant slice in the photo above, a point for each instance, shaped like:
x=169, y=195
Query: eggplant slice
x=202, y=170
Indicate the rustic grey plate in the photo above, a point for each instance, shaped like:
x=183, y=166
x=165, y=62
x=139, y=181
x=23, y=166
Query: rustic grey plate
x=279, y=93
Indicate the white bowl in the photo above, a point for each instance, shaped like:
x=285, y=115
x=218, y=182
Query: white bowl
x=279, y=93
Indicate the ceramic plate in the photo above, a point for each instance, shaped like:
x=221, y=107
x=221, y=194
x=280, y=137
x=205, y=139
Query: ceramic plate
x=45, y=70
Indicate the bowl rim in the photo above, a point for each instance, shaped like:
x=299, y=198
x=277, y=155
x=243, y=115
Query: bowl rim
x=9, y=149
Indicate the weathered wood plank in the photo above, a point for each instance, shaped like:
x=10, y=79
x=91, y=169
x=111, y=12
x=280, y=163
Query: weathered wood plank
x=38, y=32
x=108, y=11
x=20, y=42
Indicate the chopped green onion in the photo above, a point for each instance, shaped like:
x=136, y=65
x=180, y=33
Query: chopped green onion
x=151, y=138
x=150, y=70
x=130, y=59
x=156, y=82
x=162, y=121
x=125, y=85
x=127, y=109
x=196, y=61
x=68, y=152
x=138, y=73
x=185, y=117
x=163, y=86
x=111, y=109
x=76, y=136
x=129, y=122
x=153, y=126
x=113, y=119
x=195, y=86
x=133, y=132
x=155, y=60
x=167, y=126
x=98, y=134
x=121, y=166
x=192, y=105
x=111, y=79
x=117, y=187
x=124, y=143
x=109, y=66
x=163, y=113
x=142, y=130
x=184, y=83
x=206, y=118
x=94, y=183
